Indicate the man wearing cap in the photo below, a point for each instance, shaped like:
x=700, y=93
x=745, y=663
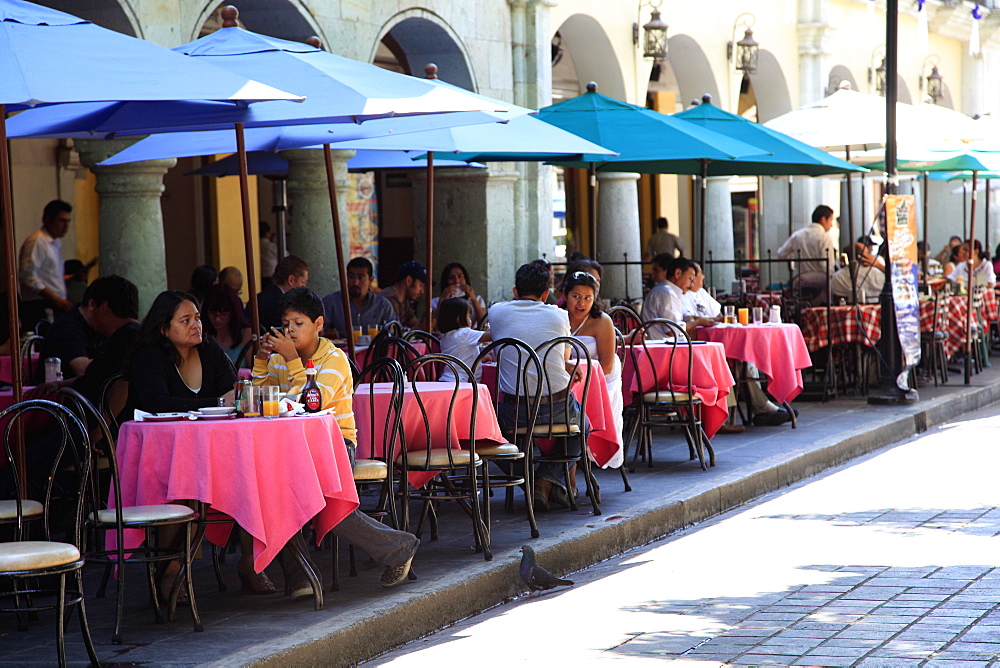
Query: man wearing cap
x=411, y=281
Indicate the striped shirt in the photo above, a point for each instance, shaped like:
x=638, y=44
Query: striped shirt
x=333, y=376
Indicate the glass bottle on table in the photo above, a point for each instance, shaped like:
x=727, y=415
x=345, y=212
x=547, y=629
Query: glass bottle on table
x=311, y=397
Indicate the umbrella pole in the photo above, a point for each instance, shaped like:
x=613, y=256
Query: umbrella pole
x=853, y=252
x=592, y=187
x=927, y=246
x=701, y=214
x=986, y=217
x=248, y=234
x=968, y=290
x=281, y=209
x=965, y=208
x=345, y=300
x=16, y=364
x=791, y=218
x=428, y=292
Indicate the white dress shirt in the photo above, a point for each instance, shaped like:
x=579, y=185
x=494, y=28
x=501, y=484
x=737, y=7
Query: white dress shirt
x=41, y=266
x=813, y=242
x=700, y=304
x=981, y=275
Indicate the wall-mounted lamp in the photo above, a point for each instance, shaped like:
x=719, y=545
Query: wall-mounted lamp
x=934, y=81
x=745, y=52
x=876, y=73
x=654, y=32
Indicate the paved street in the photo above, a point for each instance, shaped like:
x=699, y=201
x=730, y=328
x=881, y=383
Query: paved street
x=893, y=560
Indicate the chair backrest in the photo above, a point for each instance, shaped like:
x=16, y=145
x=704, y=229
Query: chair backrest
x=671, y=381
x=484, y=324
x=554, y=351
x=459, y=369
x=432, y=342
x=941, y=306
x=355, y=371
x=403, y=352
x=620, y=346
x=244, y=360
x=72, y=458
x=114, y=397
x=385, y=423
x=525, y=401
x=624, y=317
x=105, y=439
x=32, y=345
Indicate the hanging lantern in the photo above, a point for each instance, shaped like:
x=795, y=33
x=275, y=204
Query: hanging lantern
x=935, y=85
x=655, y=37
x=747, y=51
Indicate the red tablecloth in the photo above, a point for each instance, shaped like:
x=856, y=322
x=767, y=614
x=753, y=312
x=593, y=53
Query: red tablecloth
x=270, y=475
x=710, y=372
x=604, y=441
x=778, y=351
x=5, y=368
x=436, y=398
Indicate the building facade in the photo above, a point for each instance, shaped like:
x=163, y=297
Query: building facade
x=153, y=224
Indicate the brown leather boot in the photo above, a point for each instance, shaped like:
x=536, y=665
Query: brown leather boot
x=543, y=489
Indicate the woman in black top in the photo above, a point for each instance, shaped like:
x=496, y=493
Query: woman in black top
x=173, y=367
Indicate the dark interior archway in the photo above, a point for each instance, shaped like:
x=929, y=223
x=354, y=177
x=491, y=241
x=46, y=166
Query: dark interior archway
x=105, y=13
x=414, y=42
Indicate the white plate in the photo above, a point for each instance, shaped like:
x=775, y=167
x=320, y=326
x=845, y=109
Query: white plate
x=217, y=410
x=166, y=417
x=227, y=416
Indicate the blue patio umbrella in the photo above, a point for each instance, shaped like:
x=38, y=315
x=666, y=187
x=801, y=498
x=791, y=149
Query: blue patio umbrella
x=49, y=57
x=273, y=166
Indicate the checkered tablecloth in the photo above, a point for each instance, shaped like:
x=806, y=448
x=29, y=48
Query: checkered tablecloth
x=864, y=325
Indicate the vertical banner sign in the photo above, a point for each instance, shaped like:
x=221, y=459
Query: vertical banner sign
x=362, y=217
x=901, y=227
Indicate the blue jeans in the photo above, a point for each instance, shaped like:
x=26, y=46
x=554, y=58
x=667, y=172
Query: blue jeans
x=511, y=416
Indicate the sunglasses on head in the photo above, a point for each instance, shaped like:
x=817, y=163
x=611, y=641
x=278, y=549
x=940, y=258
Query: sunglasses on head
x=583, y=276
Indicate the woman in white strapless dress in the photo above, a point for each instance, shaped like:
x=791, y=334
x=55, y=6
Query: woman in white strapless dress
x=596, y=331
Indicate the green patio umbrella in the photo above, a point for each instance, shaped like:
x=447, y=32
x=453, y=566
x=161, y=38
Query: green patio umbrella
x=647, y=141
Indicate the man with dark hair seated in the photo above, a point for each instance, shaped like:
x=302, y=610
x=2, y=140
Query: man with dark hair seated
x=368, y=309
x=290, y=272
x=531, y=320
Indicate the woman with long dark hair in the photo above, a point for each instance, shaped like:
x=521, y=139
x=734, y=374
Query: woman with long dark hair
x=226, y=324
x=455, y=283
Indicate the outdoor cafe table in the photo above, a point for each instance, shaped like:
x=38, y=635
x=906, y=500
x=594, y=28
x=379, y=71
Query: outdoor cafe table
x=361, y=352
x=710, y=376
x=271, y=475
x=604, y=441
x=6, y=371
x=777, y=350
x=862, y=324
x=436, y=398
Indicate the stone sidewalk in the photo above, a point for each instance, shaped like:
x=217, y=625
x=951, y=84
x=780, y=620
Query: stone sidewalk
x=892, y=560
x=362, y=619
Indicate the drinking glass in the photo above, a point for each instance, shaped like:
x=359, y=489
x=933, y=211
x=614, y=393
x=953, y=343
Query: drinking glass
x=373, y=331
x=356, y=332
x=272, y=400
x=729, y=315
x=743, y=316
x=758, y=315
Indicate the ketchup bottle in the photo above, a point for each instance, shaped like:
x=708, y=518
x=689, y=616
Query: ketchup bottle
x=311, y=397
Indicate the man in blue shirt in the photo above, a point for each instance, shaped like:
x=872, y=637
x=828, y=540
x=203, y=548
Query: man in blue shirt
x=367, y=308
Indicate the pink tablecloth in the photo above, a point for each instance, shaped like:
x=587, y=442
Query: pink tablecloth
x=6, y=371
x=710, y=376
x=270, y=475
x=361, y=353
x=779, y=351
x=436, y=398
x=604, y=442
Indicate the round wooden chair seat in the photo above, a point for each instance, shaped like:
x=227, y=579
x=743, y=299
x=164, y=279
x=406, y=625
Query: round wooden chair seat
x=498, y=450
x=438, y=458
x=29, y=509
x=370, y=469
x=550, y=430
x=152, y=514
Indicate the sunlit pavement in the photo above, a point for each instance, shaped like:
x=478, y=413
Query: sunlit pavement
x=891, y=561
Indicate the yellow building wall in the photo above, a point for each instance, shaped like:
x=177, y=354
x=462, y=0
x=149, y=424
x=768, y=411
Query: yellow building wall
x=86, y=217
x=227, y=227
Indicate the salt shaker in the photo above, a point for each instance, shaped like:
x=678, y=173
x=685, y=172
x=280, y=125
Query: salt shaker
x=53, y=370
x=775, y=314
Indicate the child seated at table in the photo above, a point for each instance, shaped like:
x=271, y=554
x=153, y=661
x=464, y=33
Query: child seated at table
x=281, y=361
x=458, y=338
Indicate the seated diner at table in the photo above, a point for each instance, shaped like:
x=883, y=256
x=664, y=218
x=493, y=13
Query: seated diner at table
x=674, y=276
x=455, y=283
x=982, y=269
x=594, y=328
x=368, y=308
x=458, y=338
x=281, y=361
x=174, y=368
x=411, y=281
x=698, y=303
x=869, y=278
x=226, y=324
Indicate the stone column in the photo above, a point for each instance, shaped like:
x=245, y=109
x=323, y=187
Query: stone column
x=618, y=233
x=131, y=220
x=311, y=221
x=719, y=231
x=473, y=221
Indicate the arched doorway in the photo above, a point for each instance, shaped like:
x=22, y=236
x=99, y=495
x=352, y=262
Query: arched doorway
x=278, y=18
x=110, y=14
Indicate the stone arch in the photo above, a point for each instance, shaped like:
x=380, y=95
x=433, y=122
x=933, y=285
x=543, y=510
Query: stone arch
x=838, y=75
x=110, y=14
x=946, y=99
x=691, y=69
x=285, y=19
x=417, y=37
x=585, y=41
x=770, y=87
x=903, y=91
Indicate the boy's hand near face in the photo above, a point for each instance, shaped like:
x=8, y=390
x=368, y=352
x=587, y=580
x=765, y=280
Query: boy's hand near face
x=278, y=342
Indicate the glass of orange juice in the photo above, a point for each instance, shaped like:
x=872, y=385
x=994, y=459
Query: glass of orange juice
x=743, y=316
x=373, y=331
x=356, y=332
x=272, y=400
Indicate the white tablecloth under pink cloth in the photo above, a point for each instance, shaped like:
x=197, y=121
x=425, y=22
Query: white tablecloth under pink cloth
x=778, y=351
x=436, y=398
x=710, y=376
x=270, y=475
x=604, y=441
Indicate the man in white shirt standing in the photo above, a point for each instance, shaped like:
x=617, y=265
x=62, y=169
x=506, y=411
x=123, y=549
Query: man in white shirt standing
x=813, y=242
x=40, y=267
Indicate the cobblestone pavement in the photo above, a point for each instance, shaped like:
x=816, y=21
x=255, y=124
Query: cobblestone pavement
x=891, y=561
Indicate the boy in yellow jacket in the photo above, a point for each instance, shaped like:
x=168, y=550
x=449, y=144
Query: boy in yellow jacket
x=281, y=361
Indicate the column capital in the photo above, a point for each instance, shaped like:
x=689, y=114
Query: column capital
x=617, y=176
x=144, y=178
x=814, y=38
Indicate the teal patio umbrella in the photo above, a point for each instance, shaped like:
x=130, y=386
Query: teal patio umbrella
x=646, y=141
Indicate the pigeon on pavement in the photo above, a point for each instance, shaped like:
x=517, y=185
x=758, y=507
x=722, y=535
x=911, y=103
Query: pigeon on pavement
x=537, y=578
